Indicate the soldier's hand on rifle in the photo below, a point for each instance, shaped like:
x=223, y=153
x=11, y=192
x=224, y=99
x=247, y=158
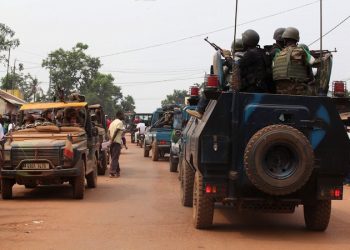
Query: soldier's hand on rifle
x=226, y=53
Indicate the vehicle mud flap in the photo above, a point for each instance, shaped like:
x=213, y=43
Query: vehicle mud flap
x=278, y=159
x=317, y=215
x=187, y=181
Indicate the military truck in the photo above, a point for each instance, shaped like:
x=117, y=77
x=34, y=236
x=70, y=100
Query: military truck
x=157, y=136
x=53, y=143
x=268, y=153
x=99, y=122
x=181, y=118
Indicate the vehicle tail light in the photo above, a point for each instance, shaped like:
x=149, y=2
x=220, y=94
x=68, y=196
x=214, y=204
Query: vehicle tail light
x=208, y=189
x=337, y=193
x=339, y=88
x=211, y=189
x=194, y=91
x=162, y=142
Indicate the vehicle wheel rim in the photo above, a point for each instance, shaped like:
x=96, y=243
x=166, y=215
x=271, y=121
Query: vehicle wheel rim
x=280, y=161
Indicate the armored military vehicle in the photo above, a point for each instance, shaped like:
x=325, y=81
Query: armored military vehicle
x=53, y=143
x=264, y=152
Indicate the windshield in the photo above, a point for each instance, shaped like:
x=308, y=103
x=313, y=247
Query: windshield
x=69, y=116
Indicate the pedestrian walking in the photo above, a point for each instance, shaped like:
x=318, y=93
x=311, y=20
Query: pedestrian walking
x=115, y=132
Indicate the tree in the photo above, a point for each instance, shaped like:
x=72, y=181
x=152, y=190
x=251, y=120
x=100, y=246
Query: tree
x=27, y=84
x=71, y=70
x=103, y=91
x=127, y=104
x=178, y=97
x=6, y=40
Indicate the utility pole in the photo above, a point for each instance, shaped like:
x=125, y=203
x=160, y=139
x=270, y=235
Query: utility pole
x=13, y=76
x=321, y=27
x=8, y=65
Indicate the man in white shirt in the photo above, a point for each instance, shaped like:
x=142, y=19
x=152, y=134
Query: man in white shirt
x=141, y=128
x=115, y=134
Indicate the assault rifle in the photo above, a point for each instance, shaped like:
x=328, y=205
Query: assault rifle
x=318, y=53
x=215, y=46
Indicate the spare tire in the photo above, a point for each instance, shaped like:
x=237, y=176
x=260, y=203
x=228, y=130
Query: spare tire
x=278, y=159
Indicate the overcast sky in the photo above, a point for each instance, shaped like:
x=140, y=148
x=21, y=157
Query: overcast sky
x=113, y=26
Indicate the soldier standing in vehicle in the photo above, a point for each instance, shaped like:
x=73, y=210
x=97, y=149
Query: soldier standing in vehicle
x=292, y=66
x=255, y=66
x=239, y=50
x=115, y=132
x=279, y=44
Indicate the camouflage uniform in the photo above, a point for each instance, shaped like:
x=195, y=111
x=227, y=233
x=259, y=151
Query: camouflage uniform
x=291, y=71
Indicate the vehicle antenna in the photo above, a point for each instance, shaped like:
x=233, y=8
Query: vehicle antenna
x=235, y=32
x=321, y=28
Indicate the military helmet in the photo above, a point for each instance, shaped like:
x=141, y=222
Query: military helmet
x=278, y=34
x=250, y=38
x=238, y=46
x=291, y=33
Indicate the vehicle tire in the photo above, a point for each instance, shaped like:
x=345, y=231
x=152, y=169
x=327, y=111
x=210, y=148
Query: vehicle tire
x=187, y=182
x=132, y=138
x=179, y=176
x=102, y=165
x=91, y=178
x=78, y=182
x=203, y=206
x=6, y=188
x=145, y=150
x=173, y=163
x=155, y=151
x=317, y=215
x=141, y=144
x=278, y=159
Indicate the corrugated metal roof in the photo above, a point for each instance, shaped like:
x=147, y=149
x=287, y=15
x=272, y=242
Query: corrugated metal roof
x=11, y=98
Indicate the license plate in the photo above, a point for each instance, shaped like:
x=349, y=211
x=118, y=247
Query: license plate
x=36, y=166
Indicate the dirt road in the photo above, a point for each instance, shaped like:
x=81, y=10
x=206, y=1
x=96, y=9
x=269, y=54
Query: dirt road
x=142, y=210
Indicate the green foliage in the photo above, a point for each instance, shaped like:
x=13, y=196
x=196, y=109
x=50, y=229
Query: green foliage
x=178, y=97
x=71, y=70
x=127, y=104
x=102, y=90
x=6, y=40
x=27, y=84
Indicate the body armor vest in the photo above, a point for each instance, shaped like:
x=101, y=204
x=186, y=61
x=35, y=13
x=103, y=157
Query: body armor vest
x=290, y=65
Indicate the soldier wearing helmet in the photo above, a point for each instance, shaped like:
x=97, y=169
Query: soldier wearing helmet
x=292, y=66
x=255, y=65
x=279, y=44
